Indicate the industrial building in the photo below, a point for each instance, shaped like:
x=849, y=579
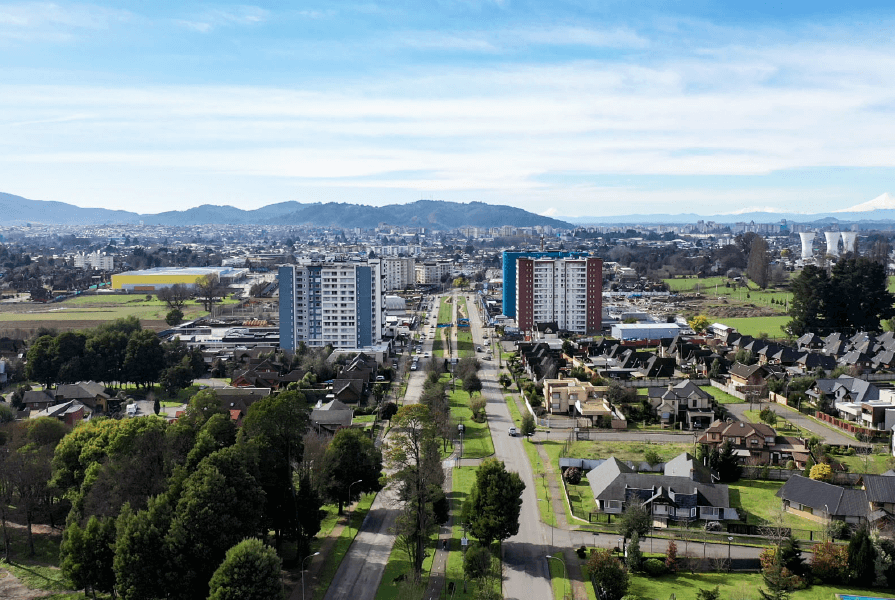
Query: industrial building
x=150, y=280
x=331, y=303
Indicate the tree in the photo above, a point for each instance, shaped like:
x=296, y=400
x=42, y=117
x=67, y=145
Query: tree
x=173, y=379
x=727, y=466
x=608, y=575
x=698, y=323
x=41, y=364
x=853, y=297
x=821, y=472
x=142, y=565
x=414, y=463
x=635, y=519
x=528, y=424
x=250, y=571
x=633, y=554
x=175, y=296
x=757, y=268
x=477, y=562
x=144, y=358
x=472, y=384
x=709, y=594
x=174, y=317
x=220, y=504
x=86, y=555
x=767, y=415
x=351, y=456
x=861, y=556
x=671, y=560
x=492, y=507
x=829, y=562
x=208, y=290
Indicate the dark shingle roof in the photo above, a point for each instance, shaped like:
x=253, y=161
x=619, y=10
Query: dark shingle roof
x=822, y=496
x=879, y=488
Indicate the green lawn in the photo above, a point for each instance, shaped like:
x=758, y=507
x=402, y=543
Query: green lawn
x=462, y=480
x=465, y=346
x=731, y=585
x=445, y=310
x=756, y=499
x=542, y=490
x=476, y=436
x=783, y=425
x=103, y=308
x=720, y=396
x=755, y=326
x=621, y=450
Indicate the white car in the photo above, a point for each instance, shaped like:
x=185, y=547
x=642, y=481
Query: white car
x=513, y=431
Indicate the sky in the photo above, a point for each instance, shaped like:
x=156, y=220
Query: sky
x=566, y=108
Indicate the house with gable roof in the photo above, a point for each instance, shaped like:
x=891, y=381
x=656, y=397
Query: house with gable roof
x=686, y=492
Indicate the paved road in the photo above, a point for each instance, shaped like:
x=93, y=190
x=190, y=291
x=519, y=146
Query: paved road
x=360, y=572
x=524, y=555
x=828, y=435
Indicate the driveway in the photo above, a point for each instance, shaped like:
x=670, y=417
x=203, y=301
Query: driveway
x=829, y=436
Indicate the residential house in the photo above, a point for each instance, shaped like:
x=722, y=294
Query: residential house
x=70, y=412
x=89, y=393
x=686, y=491
x=329, y=417
x=880, y=490
x=37, y=400
x=348, y=390
x=684, y=403
x=755, y=443
x=823, y=502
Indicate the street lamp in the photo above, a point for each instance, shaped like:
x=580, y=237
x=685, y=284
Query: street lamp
x=548, y=524
x=729, y=539
x=303, y=574
x=563, y=563
x=350, y=512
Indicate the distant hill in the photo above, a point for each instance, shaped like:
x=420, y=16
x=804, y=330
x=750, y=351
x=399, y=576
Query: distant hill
x=433, y=214
x=18, y=210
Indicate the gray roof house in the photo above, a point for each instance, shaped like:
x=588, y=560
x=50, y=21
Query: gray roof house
x=684, y=493
x=822, y=502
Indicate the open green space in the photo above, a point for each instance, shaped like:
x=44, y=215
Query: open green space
x=877, y=463
x=623, y=451
x=756, y=500
x=783, y=426
x=685, y=586
x=755, y=326
x=445, y=310
x=438, y=342
x=465, y=346
x=720, y=396
x=542, y=490
x=476, y=436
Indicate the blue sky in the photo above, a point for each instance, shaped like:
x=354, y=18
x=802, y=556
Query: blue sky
x=567, y=108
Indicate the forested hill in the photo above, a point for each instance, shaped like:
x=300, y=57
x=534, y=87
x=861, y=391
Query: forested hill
x=433, y=214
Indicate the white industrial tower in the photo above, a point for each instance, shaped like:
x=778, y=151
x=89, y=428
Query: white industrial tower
x=849, y=240
x=832, y=242
x=807, y=244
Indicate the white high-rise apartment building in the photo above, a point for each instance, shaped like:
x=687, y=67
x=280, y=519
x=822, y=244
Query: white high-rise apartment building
x=397, y=273
x=337, y=303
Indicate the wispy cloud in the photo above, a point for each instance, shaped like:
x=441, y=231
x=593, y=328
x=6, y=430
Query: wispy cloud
x=27, y=21
x=214, y=18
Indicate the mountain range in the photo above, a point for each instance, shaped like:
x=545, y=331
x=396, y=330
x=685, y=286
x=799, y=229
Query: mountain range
x=432, y=214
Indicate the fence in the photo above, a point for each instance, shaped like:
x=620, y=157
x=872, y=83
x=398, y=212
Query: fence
x=851, y=427
x=661, y=382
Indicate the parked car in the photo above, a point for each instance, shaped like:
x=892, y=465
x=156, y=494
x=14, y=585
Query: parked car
x=513, y=432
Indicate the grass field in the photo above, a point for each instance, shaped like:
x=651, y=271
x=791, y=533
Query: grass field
x=720, y=396
x=446, y=311
x=621, y=450
x=730, y=585
x=465, y=346
x=757, y=325
x=477, y=436
x=757, y=500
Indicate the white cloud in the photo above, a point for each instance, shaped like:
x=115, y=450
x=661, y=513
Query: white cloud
x=213, y=18
x=49, y=21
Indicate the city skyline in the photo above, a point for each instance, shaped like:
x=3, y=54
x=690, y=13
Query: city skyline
x=557, y=108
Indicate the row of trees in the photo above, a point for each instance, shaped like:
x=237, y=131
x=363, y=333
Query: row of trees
x=162, y=504
x=852, y=297
x=115, y=353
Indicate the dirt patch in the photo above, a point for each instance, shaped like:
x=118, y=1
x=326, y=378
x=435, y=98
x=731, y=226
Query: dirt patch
x=11, y=588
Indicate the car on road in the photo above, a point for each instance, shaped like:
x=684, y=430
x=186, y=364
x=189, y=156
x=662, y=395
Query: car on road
x=380, y=378
x=487, y=357
x=413, y=367
x=478, y=349
x=513, y=431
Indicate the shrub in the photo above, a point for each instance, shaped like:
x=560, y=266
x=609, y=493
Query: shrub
x=654, y=567
x=791, y=465
x=581, y=552
x=572, y=475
